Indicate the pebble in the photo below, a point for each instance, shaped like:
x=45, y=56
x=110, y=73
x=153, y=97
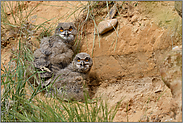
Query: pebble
x=106, y=25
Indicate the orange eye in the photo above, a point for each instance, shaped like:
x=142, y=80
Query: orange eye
x=78, y=60
x=61, y=30
x=86, y=60
x=70, y=29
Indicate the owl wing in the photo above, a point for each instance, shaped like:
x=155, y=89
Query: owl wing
x=40, y=59
x=45, y=46
x=42, y=64
x=76, y=88
x=64, y=56
x=41, y=54
x=69, y=85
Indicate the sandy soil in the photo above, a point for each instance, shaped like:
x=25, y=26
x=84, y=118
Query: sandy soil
x=126, y=65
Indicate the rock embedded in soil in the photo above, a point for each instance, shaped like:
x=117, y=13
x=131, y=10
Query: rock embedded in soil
x=107, y=25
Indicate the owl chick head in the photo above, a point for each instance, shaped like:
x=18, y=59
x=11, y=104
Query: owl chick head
x=66, y=31
x=82, y=62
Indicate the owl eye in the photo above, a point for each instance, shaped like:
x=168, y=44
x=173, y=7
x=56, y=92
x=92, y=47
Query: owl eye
x=70, y=29
x=61, y=30
x=78, y=59
x=87, y=59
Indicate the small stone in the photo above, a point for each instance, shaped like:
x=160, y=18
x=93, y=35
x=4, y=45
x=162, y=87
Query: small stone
x=157, y=91
x=176, y=48
x=107, y=25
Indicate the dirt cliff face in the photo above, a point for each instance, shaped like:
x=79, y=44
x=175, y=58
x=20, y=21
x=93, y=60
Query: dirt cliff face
x=126, y=61
x=138, y=47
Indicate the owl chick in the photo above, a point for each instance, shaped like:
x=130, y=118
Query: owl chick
x=71, y=83
x=56, y=52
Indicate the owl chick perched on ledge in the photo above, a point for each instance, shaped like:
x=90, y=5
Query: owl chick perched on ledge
x=71, y=83
x=55, y=52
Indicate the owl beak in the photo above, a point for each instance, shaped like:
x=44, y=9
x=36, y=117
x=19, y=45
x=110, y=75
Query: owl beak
x=66, y=33
x=82, y=64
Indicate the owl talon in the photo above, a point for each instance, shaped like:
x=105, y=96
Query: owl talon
x=45, y=69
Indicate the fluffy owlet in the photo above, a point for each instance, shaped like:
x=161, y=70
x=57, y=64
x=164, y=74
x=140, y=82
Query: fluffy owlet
x=56, y=52
x=71, y=83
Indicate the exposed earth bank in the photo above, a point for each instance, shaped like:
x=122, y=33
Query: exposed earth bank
x=127, y=61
